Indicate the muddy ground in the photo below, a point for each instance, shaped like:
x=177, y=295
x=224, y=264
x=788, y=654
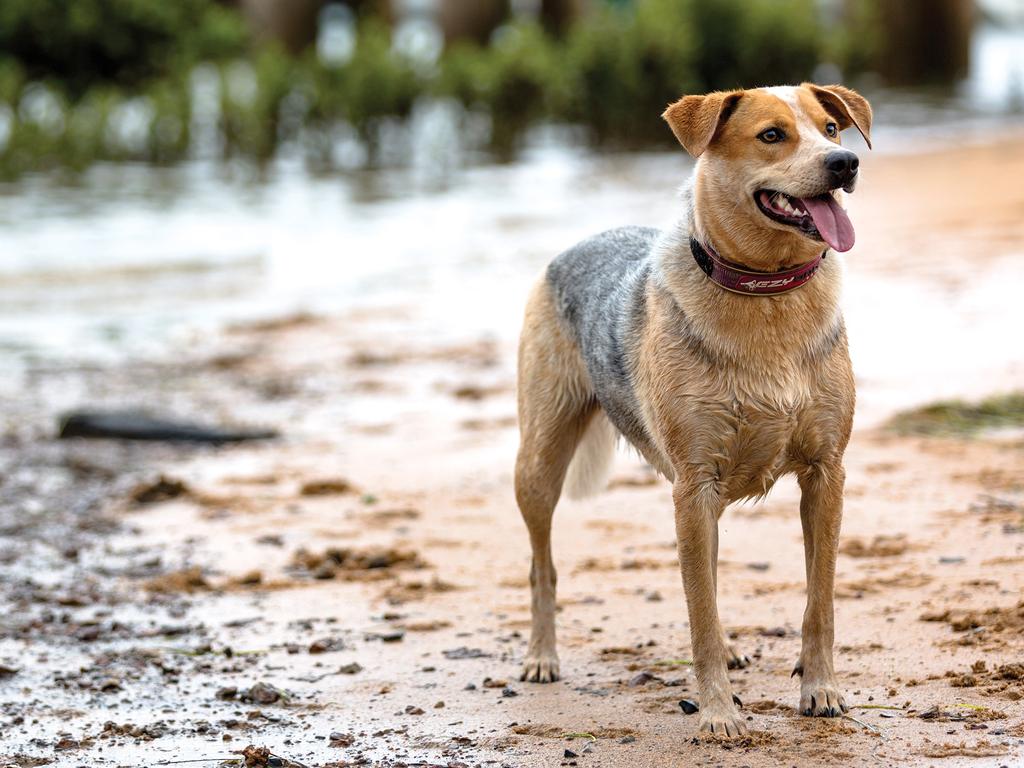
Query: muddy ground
x=355, y=592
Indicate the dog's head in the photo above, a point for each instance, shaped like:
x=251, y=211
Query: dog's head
x=770, y=165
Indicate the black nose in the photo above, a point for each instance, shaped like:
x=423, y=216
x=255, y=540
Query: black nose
x=841, y=166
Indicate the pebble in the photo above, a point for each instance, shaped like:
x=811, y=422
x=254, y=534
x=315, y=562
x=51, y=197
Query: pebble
x=462, y=652
x=642, y=679
x=327, y=645
x=264, y=693
x=689, y=707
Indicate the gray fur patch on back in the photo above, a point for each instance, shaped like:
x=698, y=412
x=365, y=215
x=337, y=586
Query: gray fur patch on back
x=599, y=287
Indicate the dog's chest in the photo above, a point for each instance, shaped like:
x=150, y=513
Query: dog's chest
x=746, y=445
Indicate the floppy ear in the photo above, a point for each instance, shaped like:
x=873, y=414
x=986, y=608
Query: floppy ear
x=846, y=105
x=695, y=119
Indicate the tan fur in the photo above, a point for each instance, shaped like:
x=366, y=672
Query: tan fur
x=556, y=403
x=771, y=393
x=846, y=105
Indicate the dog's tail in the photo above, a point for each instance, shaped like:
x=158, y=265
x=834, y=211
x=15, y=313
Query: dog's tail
x=590, y=465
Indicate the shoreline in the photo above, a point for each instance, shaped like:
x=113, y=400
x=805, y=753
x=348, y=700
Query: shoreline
x=322, y=594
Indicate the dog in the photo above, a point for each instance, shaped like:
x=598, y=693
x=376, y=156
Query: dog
x=718, y=350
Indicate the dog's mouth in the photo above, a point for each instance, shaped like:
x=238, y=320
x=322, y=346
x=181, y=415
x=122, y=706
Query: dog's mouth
x=819, y=218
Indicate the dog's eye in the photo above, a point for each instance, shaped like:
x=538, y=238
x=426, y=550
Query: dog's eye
x=832, y=130
x=771, y=135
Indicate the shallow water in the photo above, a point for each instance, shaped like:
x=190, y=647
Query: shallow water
x=132, y=261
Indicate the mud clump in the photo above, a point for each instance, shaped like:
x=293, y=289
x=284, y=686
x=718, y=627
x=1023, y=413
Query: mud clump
x=873, y=585
x=139, y=732
x=350, y=563
x=327, y=487
x=415, y=589
x=879, y=546
x=162, y=489
x=1006, y=680
x=187, y=580
x=993, y=620
x=979, y=749
x=256, y=757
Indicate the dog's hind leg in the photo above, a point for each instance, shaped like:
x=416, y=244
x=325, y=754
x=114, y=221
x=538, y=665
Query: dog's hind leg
x=555, y=406
x=734, y=659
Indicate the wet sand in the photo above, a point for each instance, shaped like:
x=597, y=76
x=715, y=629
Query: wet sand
x=356, y=592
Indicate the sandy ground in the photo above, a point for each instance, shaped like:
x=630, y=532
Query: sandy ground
x=355, y=593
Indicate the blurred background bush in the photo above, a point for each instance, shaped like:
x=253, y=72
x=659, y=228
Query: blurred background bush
x=158, y=81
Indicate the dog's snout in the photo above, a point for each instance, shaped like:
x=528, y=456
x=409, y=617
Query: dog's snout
x=841, y=166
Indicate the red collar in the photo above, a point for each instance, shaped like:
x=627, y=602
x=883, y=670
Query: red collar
x=738, y=279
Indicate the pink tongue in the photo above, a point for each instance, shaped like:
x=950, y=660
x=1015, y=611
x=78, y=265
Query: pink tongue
x=831, y=220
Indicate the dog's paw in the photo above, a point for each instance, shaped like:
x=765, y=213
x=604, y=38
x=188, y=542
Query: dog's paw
x=540, y=669
x=821, y=699
x=722, y=720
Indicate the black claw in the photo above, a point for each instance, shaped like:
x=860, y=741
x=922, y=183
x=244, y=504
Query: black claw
x=798, y=670
x=814, y=704
x=808, y=713
x=736, y=701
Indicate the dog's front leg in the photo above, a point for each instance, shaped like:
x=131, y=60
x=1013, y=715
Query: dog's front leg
x=821, y=513
x=697, y=510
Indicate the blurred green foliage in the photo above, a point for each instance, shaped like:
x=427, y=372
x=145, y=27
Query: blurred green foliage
x=88, y=80
x=80, y=43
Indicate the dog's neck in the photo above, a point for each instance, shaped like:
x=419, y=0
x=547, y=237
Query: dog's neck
x=770, y=334
x=741, y=239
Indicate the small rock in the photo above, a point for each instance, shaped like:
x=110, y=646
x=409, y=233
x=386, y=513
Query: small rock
x=952, y=559
x=642, y=679
x=463, y=652
x=568, y=754
x=508, y=693
x=689, y=707
x=350, y=669
x=627, y=740
x=87, y=634
x=338, y=739
x=162, y=489
x=324, y=571
x=490, y=682
x=413, y=710
x=264, y=693
x=327, y=645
